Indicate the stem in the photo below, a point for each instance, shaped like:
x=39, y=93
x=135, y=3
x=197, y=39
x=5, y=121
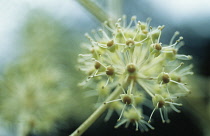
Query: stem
x=92, y=118
x=94, y=9
x=114, y=8
x=24, y=126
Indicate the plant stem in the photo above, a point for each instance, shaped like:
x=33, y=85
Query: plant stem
x=94, y=9
x=92, y=118
x=114, y=8
x=24, y=127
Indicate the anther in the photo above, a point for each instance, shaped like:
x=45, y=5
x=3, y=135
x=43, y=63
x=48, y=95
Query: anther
x=161, y=104
x=127, y=99
x=133, y=18
x=165, y=78
x=158, y=46
x=97, y=65
x=131, y=68
x=144, y=31
x=130, y=42
x=176, y=33
x=110, y=71
x=119, y=20
x=110, y=43
x=161, y=27
x=180, y=38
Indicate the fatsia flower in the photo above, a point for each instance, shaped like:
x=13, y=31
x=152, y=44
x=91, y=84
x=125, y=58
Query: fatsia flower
x=132, y=56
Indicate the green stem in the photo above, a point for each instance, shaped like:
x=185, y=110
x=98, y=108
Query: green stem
x=92, y=118
x=114, y=8
x=94, y=9
x=24, y=127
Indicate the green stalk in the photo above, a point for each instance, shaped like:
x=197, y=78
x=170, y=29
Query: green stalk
x=85, y=125
x=94, y=9
x=114, y=8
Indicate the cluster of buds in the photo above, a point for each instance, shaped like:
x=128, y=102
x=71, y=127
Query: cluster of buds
x=132, y=58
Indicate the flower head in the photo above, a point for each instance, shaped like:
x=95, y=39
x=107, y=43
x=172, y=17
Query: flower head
x=133, y=57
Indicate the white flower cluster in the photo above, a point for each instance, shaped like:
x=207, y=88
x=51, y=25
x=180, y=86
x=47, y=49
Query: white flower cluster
x=131, y=57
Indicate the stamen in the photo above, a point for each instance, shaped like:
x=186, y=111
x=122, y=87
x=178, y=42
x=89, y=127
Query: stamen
x=127, y=124
x=151, y=35
x=100, y=44
x=160, y=84
x=183, y=57
x=119, y=20
x=177, y=82
x=188, y=73
x=104, y=33
x=136, y=110
x=108, y=115
x=122, y=88
x=144, y=127
x=168, y=91
x=120, y=30
x=141, y=127
x=167, y=51
x=106, y=83
x=186, y=69
x=178, y=104
x=165, y=112
x=89, y=37
x=173, y=37
x=131, y=87
x=137, y=32
x=179, y=45
x=151, y=127
x=174, y=108
x=122, y=112
x=148, y=21
x=153, y=112
x=177, y=41
x=107, y=27
x=180, y=95
x=186, y=89
x=161, y=114
x=98, y=62
x=137, y=125
x=112, y=101
x=160, y=28
x=95, y=34
x=121, y=123
x=96, y=75
x=132, y=19
x=177, y=68
x=124, y=20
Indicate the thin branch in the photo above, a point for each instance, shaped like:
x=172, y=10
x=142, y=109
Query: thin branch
x=92, y=118
x=114, y=8
x=94, y=9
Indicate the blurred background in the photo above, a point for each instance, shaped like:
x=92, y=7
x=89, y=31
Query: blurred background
x=39, y=44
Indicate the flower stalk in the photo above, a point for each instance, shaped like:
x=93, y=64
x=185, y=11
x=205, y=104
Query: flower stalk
x=93, y=117
x=94, y=9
